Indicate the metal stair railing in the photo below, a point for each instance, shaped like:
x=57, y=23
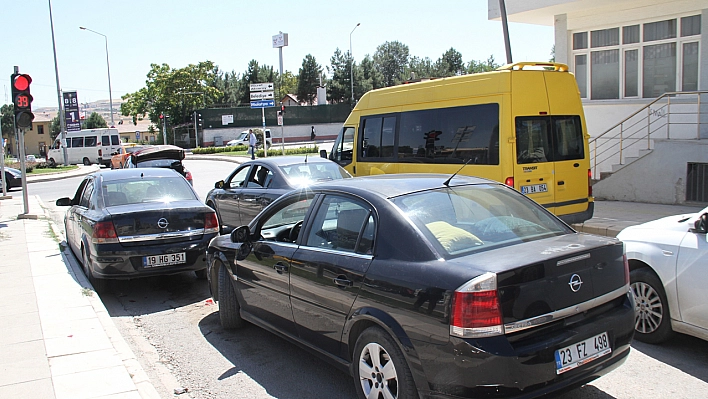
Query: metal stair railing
x=653, y=121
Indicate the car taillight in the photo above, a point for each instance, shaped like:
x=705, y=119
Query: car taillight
x=509, y=181
x=188, y=176
x=475, y=309
x=104, y=233
x=626, y=268
x=589, y=183
x=211, y=223
x=100, y=152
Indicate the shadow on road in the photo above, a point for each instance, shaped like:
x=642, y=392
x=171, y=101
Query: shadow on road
x=280, y=367
x=682, y=352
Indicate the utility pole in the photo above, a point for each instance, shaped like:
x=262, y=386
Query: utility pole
x=60, y=114
x=505, y=27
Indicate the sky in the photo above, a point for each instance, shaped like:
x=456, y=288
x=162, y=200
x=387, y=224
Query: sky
x=230, y=33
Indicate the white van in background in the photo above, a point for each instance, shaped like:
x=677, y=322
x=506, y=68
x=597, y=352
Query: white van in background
x=86, y=146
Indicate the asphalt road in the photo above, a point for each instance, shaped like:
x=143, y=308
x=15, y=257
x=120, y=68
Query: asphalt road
x=174, y=331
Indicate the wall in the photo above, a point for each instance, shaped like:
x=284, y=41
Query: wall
x=292, y=133
x=639, y=181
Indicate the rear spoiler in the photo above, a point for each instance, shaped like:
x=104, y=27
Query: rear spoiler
x=534, y=66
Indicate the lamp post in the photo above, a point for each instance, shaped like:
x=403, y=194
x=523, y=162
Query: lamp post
x=351, y=67
x=108, y=65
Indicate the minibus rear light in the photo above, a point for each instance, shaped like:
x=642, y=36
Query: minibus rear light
x=509, y=181
x=543, y=113
x=589, y=183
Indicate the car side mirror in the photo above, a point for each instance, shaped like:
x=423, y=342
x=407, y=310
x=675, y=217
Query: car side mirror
x=66, y=201
x=323, y=154
x=701, y=225
x=219, y=184
x=240, y=234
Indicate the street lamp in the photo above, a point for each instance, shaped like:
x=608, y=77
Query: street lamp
x=108, y=64
x=351, y=67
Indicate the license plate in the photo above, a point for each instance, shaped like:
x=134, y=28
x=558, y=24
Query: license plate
x=164, y=260
x=536, y=188
x=582, y=353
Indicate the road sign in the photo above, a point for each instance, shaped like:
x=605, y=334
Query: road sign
x=71, y=111
x=280, y=120
x=263, y=104
x=262, y=95
x=261, y=87
x=137, y=135
x=280, y=40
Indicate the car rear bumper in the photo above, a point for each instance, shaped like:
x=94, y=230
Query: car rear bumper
x=113, y=261
x=523, y=366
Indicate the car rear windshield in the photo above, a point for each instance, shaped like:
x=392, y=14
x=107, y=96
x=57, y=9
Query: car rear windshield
x=314, y=171
x=463, y=219
x=151, y=189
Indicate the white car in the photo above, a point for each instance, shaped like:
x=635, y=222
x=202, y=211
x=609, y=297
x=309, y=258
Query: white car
x=242, y=139
x=669, y=275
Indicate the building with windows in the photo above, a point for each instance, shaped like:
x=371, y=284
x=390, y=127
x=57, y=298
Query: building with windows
x=642, y=73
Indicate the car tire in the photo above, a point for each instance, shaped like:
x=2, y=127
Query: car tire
x=652, y=321
x=201, y=274
x=99, y=284
x=52, y=163
x=379, y=365
x=229, y=308
x=87, y=162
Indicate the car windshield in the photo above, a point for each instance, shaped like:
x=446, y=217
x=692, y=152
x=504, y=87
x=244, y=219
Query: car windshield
x=309, y=172
x=464, y=219
x=148, y=189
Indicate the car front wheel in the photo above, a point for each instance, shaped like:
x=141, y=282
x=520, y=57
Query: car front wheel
x=380, y=370
x=652, y=323
x=229, y=308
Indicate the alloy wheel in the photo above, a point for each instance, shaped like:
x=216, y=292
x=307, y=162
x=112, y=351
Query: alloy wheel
x=648, y=309
x=377, y=374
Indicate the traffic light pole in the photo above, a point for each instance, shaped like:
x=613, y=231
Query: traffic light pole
x=196, y=132
x=21, y=136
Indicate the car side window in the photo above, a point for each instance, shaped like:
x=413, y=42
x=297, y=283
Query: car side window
x=260, y=177
x=238, y=180
x=343, y=224
x=86, y=196
x=284, y=223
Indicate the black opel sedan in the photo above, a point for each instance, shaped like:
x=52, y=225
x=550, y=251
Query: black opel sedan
x=138, y=222
x=431, y=285
x=257, y=183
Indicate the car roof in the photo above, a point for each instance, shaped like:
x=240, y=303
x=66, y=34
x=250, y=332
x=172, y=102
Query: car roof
x=134, y=173
x=159, y=152
x=393, y=185
x=290, y=160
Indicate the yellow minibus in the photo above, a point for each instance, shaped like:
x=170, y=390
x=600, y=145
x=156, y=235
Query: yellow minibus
x=522, y=124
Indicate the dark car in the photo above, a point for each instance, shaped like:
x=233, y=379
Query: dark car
x=159, y=156
x=13, y=178
x=422, y=284
x=138, y=222
x=257, y=183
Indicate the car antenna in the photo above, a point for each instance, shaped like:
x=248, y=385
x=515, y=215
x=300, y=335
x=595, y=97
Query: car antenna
x=305, y=157
x=447, y=182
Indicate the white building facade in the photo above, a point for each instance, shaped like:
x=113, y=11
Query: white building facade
x=624, y=53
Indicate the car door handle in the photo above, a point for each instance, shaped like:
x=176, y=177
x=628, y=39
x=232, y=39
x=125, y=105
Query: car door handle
x=249, y=200
x=280, y=268
x=343, y=282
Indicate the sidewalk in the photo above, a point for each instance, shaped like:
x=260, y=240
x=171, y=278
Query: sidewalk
x=57, y=340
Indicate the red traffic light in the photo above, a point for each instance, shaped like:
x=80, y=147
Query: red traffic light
x=21, y=82
x=162, y=116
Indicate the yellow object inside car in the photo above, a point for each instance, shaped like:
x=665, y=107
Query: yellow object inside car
x=452, y=238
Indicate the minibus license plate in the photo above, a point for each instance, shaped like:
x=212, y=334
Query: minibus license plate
x=582, y=353
x=536, y=188
x=164, y=260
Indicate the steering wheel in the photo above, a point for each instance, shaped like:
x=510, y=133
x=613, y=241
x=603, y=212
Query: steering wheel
x=295, y=231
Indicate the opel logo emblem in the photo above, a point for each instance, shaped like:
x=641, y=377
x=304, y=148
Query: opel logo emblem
x=575, y=283
x=162, y=223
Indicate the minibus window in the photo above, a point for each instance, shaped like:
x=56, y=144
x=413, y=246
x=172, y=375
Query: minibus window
x=105, y=141
x=372, y=138
x=90, y=141
x=548, y=139
x=77, y=142
x=115, y=140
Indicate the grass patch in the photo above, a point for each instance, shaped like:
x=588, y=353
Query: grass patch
x=41, y=171
x=86, y=292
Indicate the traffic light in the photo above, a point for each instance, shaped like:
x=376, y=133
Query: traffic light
x=282, y=110
x=200, y=121
x=22, y=100
x=432, y=135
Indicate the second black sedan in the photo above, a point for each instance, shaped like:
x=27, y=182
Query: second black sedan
x=138, y=222
x=430, y=286
x=257, y=183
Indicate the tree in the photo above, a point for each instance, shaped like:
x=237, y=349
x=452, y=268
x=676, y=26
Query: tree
x=339, y=87
x=450, y=64
x=94, y=121
x=173, y=92
x=229, y=84
x=288, y=84
x=482, y=66
x=553, y=54
x=308, y=80
x=419, y=68
x=371, y=77
x=7, y=114
x=54, y=128
x=391, y=59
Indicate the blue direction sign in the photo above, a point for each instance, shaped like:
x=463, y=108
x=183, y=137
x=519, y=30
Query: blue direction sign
x=263, y=104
